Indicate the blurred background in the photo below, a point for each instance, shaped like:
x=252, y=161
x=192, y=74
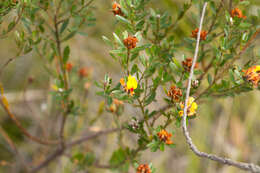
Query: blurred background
x=228, y=127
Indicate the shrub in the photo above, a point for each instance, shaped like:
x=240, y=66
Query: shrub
x=152, y=57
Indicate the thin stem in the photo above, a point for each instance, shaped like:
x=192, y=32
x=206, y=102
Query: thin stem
x=64, y=74
x=13, y=147
x=58, y=152
x=127, y=61
x=23, y=130
x=145, y=117
x=245, y=166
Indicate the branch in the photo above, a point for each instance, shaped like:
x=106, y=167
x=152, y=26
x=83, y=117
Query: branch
x=23, y=130
x=63, y=73
x=4, y=104
x=245, y=166
x=77, y=12
x=13, y=147
x=86, y=138
x=61, y=150
x=5, y=65
x=48, y=160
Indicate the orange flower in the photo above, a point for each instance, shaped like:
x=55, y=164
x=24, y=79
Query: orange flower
x=83, y=72
x=164, y=136
x=203, y=34
x=252, y=75
x=116, y=9
x=175, y=93
x=130, y=42
x=144, y=168
x=87, y=85
x=115, y=105
x=122, y=82
x=117, y=102
x=188, y=63
x=69, y=66
x=236, y=12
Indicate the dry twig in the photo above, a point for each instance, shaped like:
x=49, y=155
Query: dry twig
x=245, y=166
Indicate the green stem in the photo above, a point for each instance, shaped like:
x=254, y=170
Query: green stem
x=145, y=117
x=127, y=62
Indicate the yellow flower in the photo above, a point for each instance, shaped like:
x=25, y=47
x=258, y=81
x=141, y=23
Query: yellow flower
x=131, y=84
x=192, y=107
x=257, y=68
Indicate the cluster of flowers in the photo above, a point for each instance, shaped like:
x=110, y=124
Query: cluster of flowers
x=165, y=137
x=82, y=72
x=130, y=42
x=114, y=107
x=192, y=107
x=188, y=63
x=116, y=9
x=203, y=34
x=174, y=93
x=236, y=12
x=252, y=75
x=143, y=168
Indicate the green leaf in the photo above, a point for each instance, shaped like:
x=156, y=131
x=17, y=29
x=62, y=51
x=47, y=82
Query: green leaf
x=177, y=63
x=70, y=35
x=142, y=59
x=213, y=7
x=109, y=100
x=11, y=26
x=64, y=26
x=162, y=146
x=118, y=157
x=245, y=25
x=66, y=53
x=154, y=145
x=150, y=98
x=134, y=69
x=83, y=33
x=209, y=79
x=231, y=75
x=107, y=41
x=123, y=20
x=89, y=159
x=244, y=3
x=244, y=37
x=118, y=40
x=140, y=48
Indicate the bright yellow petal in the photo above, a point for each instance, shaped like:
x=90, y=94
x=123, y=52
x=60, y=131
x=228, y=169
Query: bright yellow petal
x=194, y=105
x=257, y=68
x=54, y=87
x=180, y=113
x=190, y=101
x=131, y=82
